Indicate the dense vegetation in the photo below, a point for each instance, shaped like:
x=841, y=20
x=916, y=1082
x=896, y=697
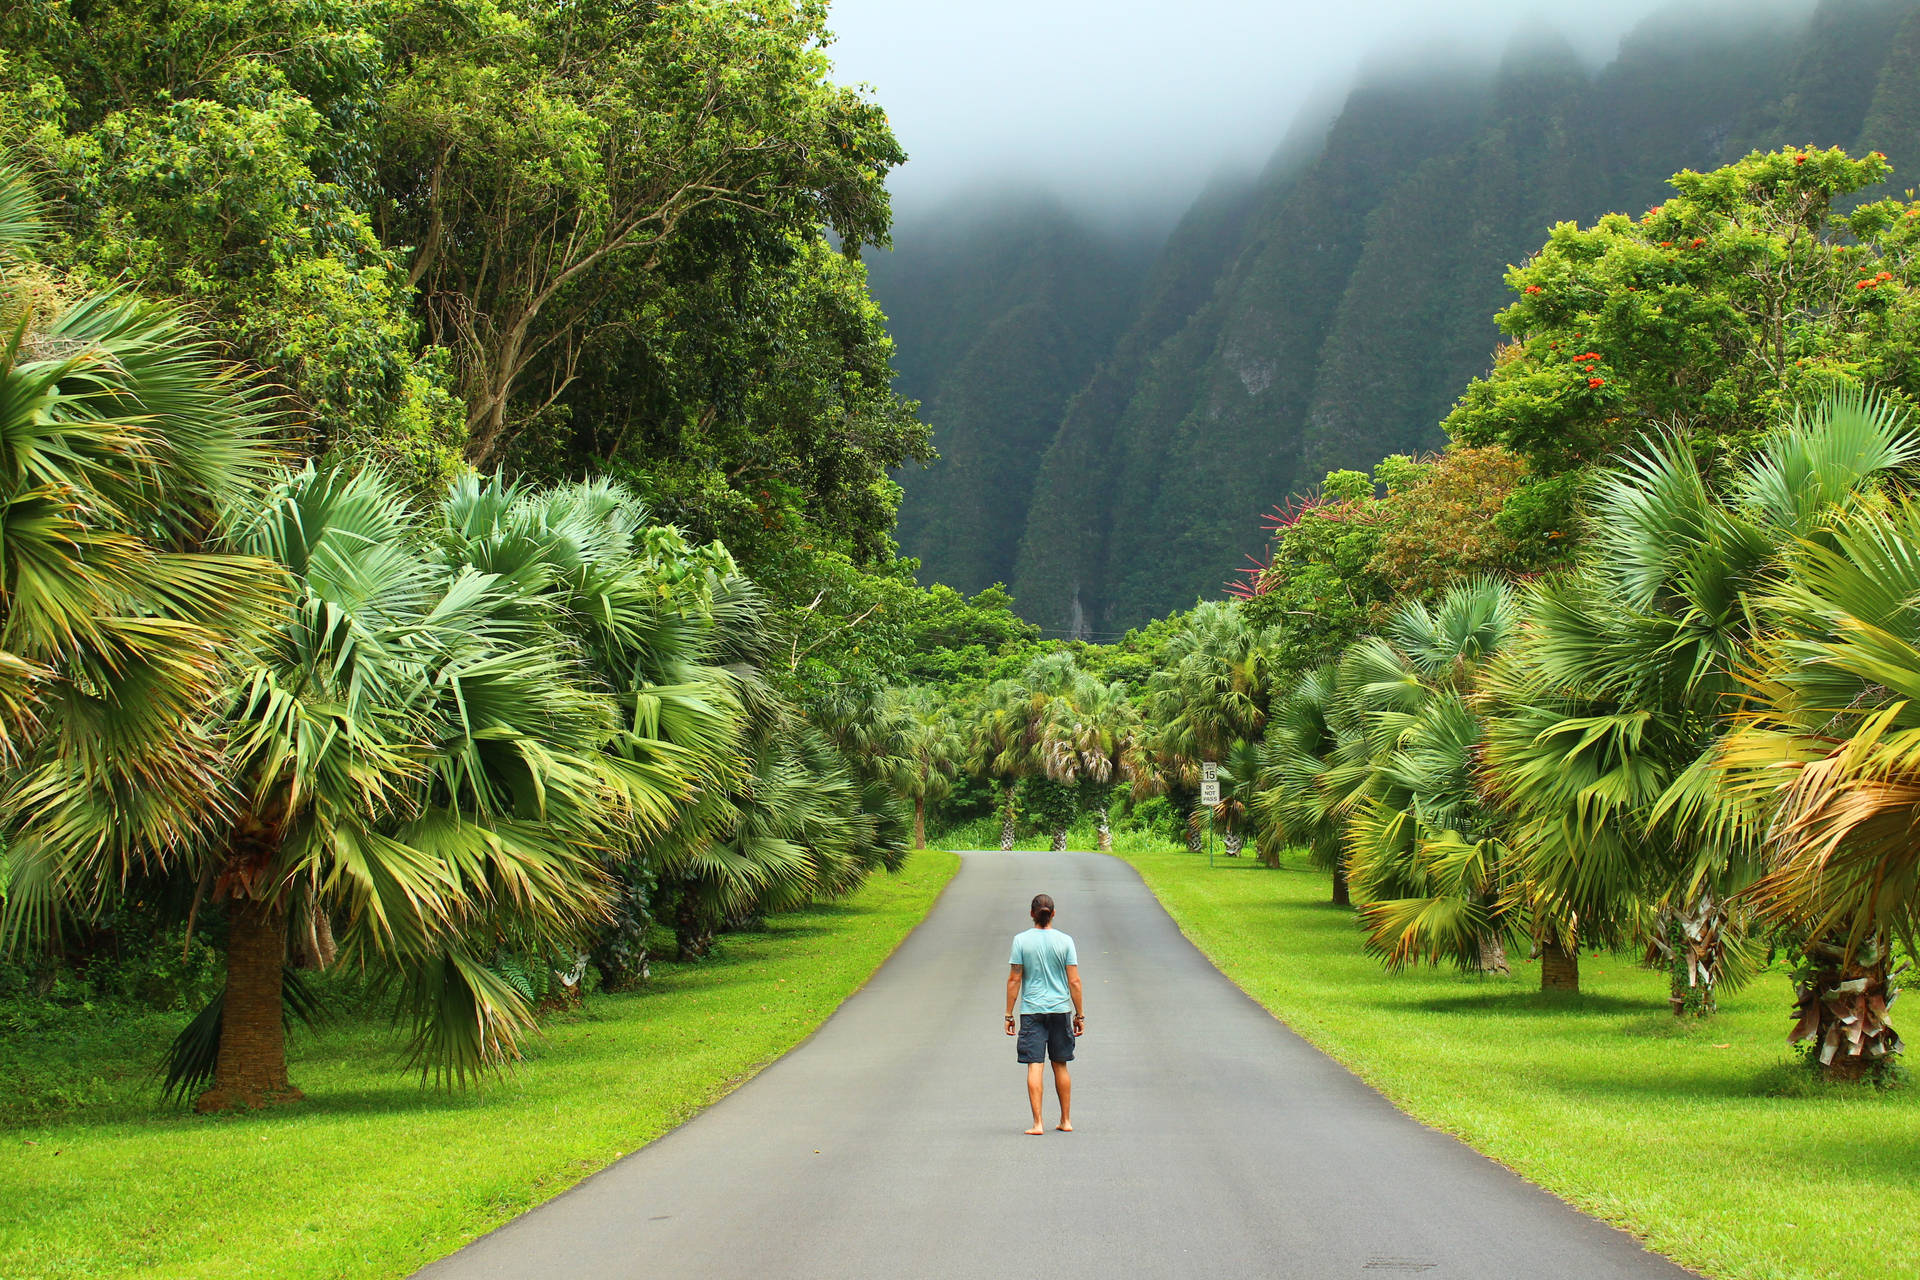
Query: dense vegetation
x=1328, y=314
x=316, y=655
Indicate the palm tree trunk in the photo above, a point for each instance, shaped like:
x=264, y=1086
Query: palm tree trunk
x=1059, y=839
x=1105, y=842
x=1006, y=818
x=1693, y=944
x=1195, y=841
x=692, y=931
x=1342, y=895
x=1842, y=1008
x=1559, y=968
x=251, y=1070
x=311, y=943
x=1493, y=954
x=1231, y=839
x=919, y=822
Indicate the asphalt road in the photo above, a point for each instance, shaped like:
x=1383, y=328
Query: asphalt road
x=1209, y=1140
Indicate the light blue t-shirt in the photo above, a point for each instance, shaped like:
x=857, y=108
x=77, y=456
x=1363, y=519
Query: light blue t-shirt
x=1043, y=956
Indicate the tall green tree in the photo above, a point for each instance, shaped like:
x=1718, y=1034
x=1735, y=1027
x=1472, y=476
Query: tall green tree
x=591, y=146
x=1094, y=744
x=1751, y=289
x=223, y=156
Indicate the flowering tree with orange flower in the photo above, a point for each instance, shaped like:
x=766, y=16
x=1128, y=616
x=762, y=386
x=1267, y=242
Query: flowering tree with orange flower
x=1750, y=290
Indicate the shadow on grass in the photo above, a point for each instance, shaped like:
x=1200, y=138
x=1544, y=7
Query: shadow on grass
x=1526, y=1003
x=1705, y=1080
x=405, y=1095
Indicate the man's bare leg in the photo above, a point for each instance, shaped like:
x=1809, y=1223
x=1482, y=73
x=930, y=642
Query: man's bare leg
x=1063, y=1087
x=1036, y=1086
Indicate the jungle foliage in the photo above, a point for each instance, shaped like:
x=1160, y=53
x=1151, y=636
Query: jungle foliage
x=315, y=650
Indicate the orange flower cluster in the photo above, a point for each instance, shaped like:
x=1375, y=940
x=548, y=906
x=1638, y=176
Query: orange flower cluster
x=1533, y=288
x=1874, y=282
x=1580, y=362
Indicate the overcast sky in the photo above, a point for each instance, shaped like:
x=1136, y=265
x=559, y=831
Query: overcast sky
x=1139, y=102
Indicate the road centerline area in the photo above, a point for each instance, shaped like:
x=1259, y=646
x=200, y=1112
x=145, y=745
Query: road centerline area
x=1208, y=1138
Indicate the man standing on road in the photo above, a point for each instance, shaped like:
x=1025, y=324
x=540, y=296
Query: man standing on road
x=1044, y=982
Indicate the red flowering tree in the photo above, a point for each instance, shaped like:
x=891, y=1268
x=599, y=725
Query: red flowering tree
x=1315, y=591
x=1747, y=291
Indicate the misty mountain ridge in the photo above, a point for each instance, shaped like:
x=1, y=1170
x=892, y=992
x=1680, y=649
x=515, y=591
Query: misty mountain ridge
x=1116, y=410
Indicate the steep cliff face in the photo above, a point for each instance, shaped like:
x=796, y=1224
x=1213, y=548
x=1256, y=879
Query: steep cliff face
x=1327, y=313
x=1210, y=439
x=1000, y=315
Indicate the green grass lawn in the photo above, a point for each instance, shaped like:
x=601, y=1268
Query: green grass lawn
x=372, y=1176
x=1706, y=1140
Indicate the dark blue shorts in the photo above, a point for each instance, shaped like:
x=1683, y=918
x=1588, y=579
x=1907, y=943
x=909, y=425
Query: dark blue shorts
x=1046, y=1035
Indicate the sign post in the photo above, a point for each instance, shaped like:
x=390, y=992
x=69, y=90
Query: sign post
x=1209, y=797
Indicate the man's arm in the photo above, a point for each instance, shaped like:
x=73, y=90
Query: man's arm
x=1014, y=973
x=1073, y=986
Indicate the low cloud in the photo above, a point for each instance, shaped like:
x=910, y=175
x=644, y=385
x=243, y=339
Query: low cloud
x=1135, y=105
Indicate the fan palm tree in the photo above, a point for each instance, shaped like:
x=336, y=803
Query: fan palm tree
x=1316, y=765
x=122, y=439
x=1018, y=719
x=927, y=746
x=1055, y=689
x=410, y=751
x=1825, y=762
x=744, y=813
x=1239, y=779
x=1290, y=808
x=865, y=725
x=122, y=442
x=1423, y=848
x=1094, y=743
x=1165, y=765
x=670, y=631
x=996, y=751
x=1613, y=712
x=1211, y=691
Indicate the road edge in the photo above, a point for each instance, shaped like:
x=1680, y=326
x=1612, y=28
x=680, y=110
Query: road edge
x=1591, y=1211
x=729, y=1086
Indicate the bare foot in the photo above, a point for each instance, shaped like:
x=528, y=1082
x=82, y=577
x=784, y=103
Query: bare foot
x=1065, y=1126
x=1038, y=1131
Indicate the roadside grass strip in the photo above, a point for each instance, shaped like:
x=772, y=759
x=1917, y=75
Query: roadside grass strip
x=1708, y=1140
x=374, y=1176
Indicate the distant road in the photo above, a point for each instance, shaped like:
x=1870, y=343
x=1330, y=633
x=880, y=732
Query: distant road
x=1210, y=1141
